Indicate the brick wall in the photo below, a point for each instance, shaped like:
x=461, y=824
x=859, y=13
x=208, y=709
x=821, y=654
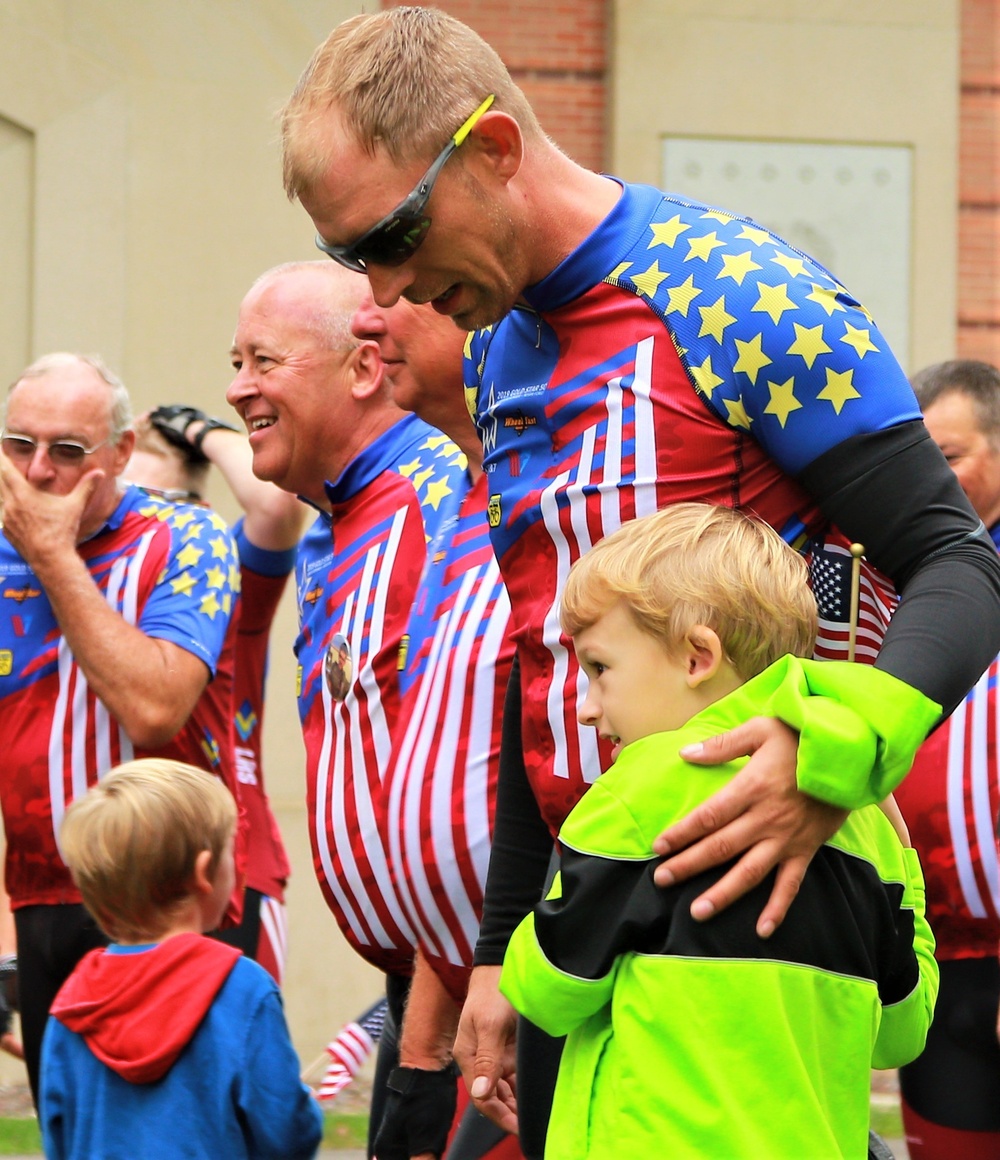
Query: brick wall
x=557, y=53
x=979, y=183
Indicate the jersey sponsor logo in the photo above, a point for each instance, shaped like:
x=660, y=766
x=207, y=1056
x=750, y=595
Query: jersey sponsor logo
x=6, y=662
x=519, y=421
x=210, y=747
x=494, y=511
x=246, y=720
x=25, y=592
x=246, y=766
x=404, y=651
x=313, y=594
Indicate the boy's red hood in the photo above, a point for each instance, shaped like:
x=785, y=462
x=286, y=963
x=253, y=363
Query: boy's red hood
x=137, y=1012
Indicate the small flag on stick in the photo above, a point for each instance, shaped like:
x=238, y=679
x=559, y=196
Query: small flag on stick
x=345, y=1054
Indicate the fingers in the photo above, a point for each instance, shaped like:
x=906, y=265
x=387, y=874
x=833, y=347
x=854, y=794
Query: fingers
x=774, y=746
x=786, y=887
x=500, y=1105
x=708, y=819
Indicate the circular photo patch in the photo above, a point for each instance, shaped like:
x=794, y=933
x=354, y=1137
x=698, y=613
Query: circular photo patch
x=338, y=668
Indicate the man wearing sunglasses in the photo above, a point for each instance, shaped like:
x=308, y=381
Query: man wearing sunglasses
x=654, y=350
x=115, y=614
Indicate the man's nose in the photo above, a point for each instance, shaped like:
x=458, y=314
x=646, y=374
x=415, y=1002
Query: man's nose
x=388, y=283
x=368, y=321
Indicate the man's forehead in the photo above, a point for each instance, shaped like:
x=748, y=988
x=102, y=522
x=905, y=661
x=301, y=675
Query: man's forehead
x=72, y=393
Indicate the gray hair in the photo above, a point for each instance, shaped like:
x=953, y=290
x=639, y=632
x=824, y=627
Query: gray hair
x=978, y=381
x=121, y=406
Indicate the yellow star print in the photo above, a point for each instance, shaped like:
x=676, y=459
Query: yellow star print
x=217, y=522
x=808, y=343
x=210, y=605
x=436, y=492
x=181, y=518
x=859, y=339
x=825, y=297
x=408, y=469
x=618, y=271
x=737, y=266
x=422, y=477
x=752, y=358
x=183, y=585
x=434, y=443
x=666, y=233
x=682, y=296
x=719, y=215
x=839, y=388
x=757, y=236
x=220, y=548
x=215, y=578
x=702, y=247
x=715, y=319
x=706, y=380
x=783, y=401
x=189, y=555
x=773, y=300
x=649, y=280
x=227, y=603
x=737, y=413
x=191, y=532
x=795, y=266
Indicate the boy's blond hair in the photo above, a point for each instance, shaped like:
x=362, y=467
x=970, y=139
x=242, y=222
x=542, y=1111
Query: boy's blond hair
x=132, y=840
x=693, y=563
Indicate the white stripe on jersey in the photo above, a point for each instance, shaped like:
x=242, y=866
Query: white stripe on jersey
x=274, y=920
x=487, y=707
x=956, y=810
x=126, y=571
x=984, y=820
x=337, y=739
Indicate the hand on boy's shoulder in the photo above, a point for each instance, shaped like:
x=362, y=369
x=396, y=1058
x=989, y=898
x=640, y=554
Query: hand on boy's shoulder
x=760, y=813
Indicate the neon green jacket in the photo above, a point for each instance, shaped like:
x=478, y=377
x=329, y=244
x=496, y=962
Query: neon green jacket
x=700, y=1039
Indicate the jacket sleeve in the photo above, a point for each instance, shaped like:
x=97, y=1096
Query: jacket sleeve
x=281, y=1116
x=903, y=1030
x=561, y=962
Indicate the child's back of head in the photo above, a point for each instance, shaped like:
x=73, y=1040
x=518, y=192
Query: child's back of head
x=133, y=842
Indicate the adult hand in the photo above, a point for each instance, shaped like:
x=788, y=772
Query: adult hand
x=484, y=1048
x=760, y=813
x=419, y=1110
x=38, y=523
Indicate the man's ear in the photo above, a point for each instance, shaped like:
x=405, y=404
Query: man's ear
x=123, y=451
x=498, y=144
x=701, y=653
x=367, y=370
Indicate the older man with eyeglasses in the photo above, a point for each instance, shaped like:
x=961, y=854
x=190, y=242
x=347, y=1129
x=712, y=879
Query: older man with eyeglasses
x=115, y=615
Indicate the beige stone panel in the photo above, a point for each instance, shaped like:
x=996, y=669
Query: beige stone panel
x=799, y=71
x=16, y=217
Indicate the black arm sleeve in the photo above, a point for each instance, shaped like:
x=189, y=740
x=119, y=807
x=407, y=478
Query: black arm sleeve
x=893, y=492
x=522, y=845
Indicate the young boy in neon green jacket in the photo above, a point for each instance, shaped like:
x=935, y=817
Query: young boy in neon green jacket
x=692, y=1039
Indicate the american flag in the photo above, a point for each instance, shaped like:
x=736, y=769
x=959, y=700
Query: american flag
x=830, y=579
x=349, y=1050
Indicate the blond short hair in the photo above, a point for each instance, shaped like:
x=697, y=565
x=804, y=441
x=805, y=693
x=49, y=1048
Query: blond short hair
x=693, y=563
x=131, y=842
x=403, y=79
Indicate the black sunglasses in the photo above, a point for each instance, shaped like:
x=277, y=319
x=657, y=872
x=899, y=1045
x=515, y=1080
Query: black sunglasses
x=395, y=239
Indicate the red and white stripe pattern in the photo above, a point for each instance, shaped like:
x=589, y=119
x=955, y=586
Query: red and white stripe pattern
x=441, y=787
x=950, y=800
x=272, y=942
